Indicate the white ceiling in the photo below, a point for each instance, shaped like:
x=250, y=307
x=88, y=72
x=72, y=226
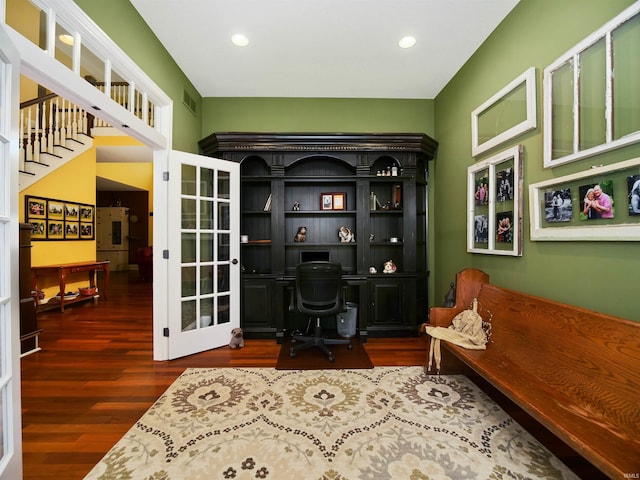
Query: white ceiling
x=322, y=48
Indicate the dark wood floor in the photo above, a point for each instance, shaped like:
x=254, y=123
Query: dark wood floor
x=95, y=376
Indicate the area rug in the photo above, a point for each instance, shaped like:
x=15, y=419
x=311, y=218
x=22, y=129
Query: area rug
x=385, y=423
x=314, y=359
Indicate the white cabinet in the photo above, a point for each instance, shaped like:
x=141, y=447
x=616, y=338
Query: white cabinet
x=112, y=236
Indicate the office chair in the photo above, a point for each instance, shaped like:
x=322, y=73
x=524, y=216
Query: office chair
x=319, y=293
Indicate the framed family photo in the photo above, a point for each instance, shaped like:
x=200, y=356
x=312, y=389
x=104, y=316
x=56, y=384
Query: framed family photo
x=494, y=201
x=602, y=203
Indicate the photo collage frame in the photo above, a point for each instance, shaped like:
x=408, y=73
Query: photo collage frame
x=53, y=219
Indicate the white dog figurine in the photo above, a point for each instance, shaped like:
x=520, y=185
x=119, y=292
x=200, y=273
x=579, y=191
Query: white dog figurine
x=237, y=340
x=346, y=235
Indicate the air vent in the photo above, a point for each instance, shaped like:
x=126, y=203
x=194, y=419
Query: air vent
x=188, y=100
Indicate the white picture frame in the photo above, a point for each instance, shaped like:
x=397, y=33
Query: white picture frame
x=623, y=226
x=526, y=80
x=494, y=200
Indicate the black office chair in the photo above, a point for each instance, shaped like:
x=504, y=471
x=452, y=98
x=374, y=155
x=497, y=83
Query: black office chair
x=319, y=293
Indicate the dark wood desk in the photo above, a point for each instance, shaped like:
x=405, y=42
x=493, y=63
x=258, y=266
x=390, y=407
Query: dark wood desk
x=62, y=270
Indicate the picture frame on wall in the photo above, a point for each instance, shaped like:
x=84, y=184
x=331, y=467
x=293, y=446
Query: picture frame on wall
x=598, y=204
x=54, y=219
x=494, y=202
x=507, y=114
x=35, y=207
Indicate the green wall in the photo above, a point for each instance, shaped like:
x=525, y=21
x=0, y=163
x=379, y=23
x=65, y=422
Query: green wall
x=128, y=30
x=596, y=275
x=317, y=115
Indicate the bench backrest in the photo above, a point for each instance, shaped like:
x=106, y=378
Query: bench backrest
x=591, y=357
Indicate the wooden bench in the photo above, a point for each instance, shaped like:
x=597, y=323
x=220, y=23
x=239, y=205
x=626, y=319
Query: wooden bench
x=575, y=371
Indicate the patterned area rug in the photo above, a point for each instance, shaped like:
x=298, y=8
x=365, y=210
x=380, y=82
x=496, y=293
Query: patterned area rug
x=384, y=423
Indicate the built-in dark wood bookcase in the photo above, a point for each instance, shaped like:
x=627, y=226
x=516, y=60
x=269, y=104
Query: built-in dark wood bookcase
x=377, y=187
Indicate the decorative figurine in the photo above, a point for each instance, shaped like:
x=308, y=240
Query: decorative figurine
x=373, y=270
x=296, y=206
x=389, y=267
x=301, y=235
x=372, y=237
x=346, y=235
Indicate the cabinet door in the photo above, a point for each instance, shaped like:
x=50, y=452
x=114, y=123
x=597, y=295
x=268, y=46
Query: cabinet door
x=386, y=303
x=257, y=307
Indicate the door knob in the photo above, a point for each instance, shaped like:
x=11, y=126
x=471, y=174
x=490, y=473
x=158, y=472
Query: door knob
x=234, y=261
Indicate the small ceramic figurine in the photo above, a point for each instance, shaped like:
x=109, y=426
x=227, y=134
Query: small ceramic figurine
x=389, y=267
x=296, y=206
x=346, y=235
x=373, y=270
x=301, y=235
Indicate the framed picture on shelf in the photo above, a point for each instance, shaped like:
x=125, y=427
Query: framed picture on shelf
x=494, y=202
x=599, y=204
x=326, y=201
x=339, y=201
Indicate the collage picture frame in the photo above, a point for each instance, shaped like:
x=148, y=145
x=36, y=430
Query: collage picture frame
x=494, y=202
x=53, y=219
x=599, y=204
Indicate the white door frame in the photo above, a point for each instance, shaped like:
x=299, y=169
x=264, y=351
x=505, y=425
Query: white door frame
x=11, y=410
x=36, y=64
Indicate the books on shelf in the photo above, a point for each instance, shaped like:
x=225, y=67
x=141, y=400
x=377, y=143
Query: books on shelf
x=267, y=205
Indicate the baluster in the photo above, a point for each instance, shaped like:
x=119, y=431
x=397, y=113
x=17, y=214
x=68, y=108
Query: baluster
x=56, y=130
x=29, y=147
x=63, y=131
x=50, y=143
x=85, y=122
x=21, y=151
x=68, y=130
x=36, y=140
x=74, y=124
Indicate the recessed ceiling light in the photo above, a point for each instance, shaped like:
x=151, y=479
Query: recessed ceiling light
x=66, y=38
x=407, y=42
x=240, y=40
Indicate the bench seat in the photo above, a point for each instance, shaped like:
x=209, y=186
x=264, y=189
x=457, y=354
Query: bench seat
x=575, y=371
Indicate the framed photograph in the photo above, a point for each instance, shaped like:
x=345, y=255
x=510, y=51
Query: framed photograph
x=71, y=230
x=494, y=201
x=71, y=212
x=509, y=113
x=38, y=229
x=339, y=201
x=86, y=231
x=55, y=230
x=35, y=207
x=55, y=210
x=86, y=213
x=326, y=201
x=602, y=203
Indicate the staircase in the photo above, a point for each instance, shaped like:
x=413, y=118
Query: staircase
x=53, y=131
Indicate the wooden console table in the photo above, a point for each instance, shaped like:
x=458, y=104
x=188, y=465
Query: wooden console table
x=62, y=270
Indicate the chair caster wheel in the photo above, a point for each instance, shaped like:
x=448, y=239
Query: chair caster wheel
x=292, y=354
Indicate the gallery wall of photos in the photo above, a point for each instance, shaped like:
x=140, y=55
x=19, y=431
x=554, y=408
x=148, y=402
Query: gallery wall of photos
x=53, y=219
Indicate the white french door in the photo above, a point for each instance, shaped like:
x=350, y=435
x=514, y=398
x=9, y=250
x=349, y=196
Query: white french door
x=10, y=411
x=204, y=248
